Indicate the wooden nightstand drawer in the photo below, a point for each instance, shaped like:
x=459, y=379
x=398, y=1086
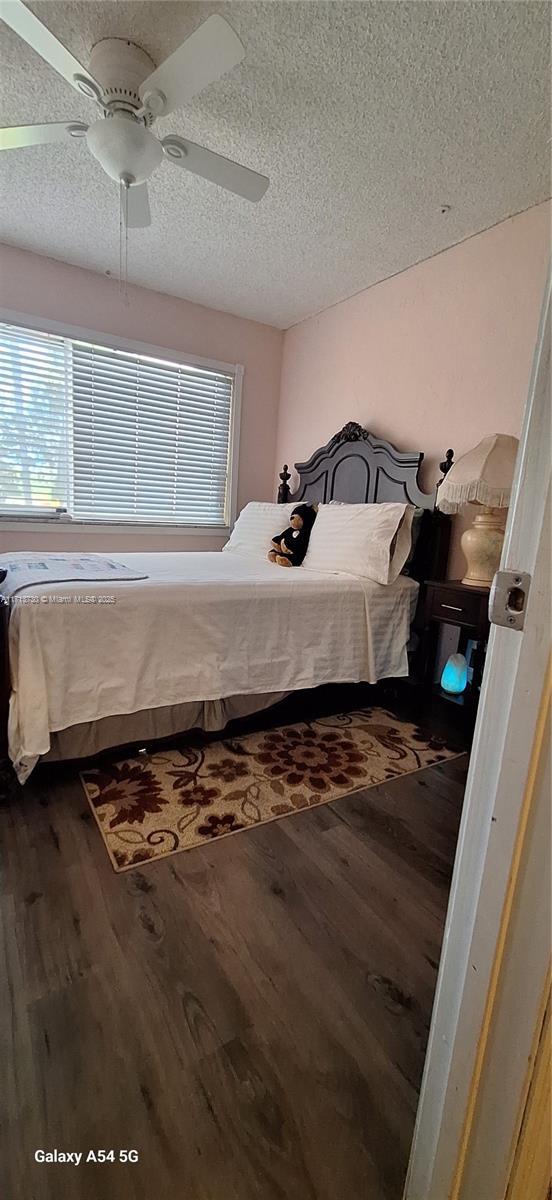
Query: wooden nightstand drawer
x=457, y=605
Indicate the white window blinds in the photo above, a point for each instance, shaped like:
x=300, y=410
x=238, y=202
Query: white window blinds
x=151, y=439
x=34, y=422
x=113, y=435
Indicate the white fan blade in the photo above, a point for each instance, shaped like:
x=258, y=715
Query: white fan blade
x=138, y=210
x=223, y=171
x=207, y=54
x=23, y=21
x=17, y=136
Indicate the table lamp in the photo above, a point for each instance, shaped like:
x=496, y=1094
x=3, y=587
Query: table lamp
x=484, y=477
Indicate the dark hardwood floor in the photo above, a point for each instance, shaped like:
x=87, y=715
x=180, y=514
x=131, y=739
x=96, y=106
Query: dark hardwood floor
x=250, y=1016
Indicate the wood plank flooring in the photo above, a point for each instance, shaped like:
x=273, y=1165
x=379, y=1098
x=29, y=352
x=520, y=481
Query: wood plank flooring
x=250, y=1016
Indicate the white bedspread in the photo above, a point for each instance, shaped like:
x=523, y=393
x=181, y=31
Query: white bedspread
x=201, y=626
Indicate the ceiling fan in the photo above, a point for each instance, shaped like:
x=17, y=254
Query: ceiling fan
x=132, y=93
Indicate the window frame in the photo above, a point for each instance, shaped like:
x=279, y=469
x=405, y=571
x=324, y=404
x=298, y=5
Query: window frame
x=64, y=522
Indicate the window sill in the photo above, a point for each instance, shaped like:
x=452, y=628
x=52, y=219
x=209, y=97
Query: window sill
x=33, y=525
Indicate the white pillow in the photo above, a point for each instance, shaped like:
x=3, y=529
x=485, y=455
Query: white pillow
x=370, y=540
x=255, y=527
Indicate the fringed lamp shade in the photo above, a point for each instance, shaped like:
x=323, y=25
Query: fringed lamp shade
x=482, y=476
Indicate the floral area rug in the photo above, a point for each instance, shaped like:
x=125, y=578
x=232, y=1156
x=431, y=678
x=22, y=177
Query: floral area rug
x=151, y=806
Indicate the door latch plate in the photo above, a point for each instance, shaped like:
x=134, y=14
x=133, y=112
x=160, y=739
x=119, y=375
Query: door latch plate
x=508, y=598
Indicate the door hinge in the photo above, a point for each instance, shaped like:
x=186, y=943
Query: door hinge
x=508, y=598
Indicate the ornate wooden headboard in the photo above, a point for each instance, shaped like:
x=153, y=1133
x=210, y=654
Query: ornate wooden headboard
x=358, y=468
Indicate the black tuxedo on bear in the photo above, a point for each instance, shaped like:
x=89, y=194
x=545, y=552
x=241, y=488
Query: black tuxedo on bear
x=290, y=547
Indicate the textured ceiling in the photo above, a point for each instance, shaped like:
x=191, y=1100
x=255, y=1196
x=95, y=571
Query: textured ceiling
x=368, y=118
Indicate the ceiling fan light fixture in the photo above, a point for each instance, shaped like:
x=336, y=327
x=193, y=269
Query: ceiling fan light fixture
x=131, y=92
x=124, y=147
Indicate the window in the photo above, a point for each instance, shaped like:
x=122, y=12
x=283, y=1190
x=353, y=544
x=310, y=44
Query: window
x=92, y=433
x=34, y=450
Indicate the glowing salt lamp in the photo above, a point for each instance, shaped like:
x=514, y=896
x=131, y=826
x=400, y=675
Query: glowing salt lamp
x=455, y=675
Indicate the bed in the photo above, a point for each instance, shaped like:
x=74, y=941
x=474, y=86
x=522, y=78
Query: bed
x=148, y=658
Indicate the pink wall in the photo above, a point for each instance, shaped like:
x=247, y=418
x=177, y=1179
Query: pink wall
x=40, y=287
x=438, y=356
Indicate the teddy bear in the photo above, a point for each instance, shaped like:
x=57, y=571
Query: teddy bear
x=290, y=547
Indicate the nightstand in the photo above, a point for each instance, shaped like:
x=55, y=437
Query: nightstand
x=451, y=602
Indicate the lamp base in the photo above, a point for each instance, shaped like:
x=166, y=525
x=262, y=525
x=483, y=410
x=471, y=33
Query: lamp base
x=482, y=546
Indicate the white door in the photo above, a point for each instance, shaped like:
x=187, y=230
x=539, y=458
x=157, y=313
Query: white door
x=496, y=946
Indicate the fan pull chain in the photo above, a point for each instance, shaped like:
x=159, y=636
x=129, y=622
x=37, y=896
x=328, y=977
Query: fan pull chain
x=120, y=237
x=123, y=240
x=125, y=256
